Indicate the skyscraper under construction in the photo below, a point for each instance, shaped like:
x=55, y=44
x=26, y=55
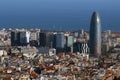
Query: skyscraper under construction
x=95, y=35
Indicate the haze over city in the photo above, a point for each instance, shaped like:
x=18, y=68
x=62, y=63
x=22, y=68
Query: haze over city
x=58, y=14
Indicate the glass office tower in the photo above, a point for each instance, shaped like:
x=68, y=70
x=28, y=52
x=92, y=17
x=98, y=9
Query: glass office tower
x=95, y=35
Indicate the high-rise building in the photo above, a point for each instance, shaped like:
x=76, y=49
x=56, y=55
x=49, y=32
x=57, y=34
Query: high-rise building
x=60, y=42
x=81, y=47
x=15, y=38
x=52, y=40
x=33, y=36
x=69, y=41
x=95, y=35
x=19, y=38
x=24, y=38
x=69, y=44
x=42, y=39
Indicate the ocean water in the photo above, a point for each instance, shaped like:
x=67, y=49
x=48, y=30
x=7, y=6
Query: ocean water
x=58, y=14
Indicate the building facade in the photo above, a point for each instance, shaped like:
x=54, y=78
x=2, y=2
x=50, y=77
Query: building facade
x=95, y=35
x=15, y=38
x=24, y=38
x=60, y=42
x=69, y=44
x=42, y=39
x=20, y=38
x=81, y=47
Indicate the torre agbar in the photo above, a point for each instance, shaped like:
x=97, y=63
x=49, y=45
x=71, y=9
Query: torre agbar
x=95, y=35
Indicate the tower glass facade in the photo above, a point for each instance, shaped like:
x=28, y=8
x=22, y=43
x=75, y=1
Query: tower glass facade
x=15, y=38
x=42, y=39
x=95, y=35
x=60, y=40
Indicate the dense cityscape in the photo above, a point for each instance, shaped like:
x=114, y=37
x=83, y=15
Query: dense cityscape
x=35, y=54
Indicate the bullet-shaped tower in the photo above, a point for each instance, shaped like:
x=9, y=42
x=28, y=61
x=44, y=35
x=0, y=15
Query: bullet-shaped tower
x=95, y=35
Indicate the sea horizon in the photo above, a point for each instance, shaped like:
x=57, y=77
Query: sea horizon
x=58, y=14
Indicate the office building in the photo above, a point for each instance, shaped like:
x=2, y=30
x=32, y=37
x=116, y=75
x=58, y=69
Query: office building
x=95, y=35
x=24, y=38
x=20, y=38
x=15, y=38
x=69, y=43
x=60, y=42
x=81, y=47
x=34, y=36
x=42, y=39
x=52, y=40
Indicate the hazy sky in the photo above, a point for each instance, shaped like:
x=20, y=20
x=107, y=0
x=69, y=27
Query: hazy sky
x=59, y=12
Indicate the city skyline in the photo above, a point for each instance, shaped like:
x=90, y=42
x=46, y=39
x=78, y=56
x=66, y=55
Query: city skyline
x=59, y=40
x=56, y=55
